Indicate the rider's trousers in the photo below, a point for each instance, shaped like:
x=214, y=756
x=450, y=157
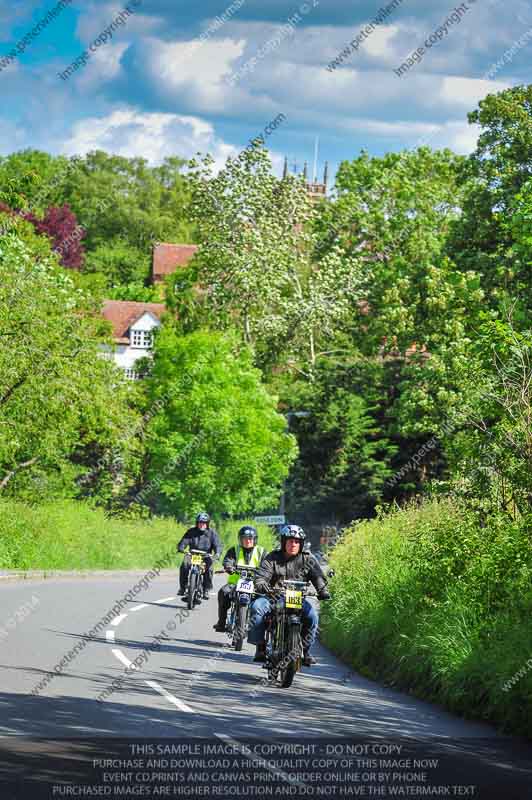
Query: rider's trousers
x=261, y=607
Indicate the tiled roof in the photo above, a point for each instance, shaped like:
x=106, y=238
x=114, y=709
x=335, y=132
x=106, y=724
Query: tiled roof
x=122, y=314
x=168, y=257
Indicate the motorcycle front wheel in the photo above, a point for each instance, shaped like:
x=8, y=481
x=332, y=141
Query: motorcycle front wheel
x=287, y=674
x=191, y=595
x=240, y=627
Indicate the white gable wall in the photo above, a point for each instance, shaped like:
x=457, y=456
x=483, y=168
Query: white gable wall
x=125, y=356
x=147, y=322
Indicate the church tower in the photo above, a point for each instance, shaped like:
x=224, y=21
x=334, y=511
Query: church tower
x=317, y=190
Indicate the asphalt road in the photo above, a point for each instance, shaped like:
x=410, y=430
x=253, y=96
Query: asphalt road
x=191, y=684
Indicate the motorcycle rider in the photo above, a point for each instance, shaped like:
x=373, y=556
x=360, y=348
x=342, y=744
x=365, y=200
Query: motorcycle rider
x=200, y=537
x=247, y=554
x=290, y=563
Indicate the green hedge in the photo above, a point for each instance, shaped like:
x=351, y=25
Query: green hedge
x=427, y=600
x=70, y=535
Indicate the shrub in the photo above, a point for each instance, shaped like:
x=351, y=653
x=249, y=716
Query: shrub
x=427, y=599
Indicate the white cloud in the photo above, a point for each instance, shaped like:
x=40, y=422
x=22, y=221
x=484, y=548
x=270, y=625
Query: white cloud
x=131, y=133
x=198, y=71
x=398, y=128
x=379, y=44
x=96, y=17
x=11, y=137
x=466, y=92
x=460, y=137
x=104, y=65
x=463, y=137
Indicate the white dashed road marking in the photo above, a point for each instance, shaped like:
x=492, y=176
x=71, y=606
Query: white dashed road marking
x=110, y=636
x=124, y=659
x=170, y=697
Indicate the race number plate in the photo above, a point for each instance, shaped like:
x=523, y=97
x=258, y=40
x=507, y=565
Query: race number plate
x=197, y=559
x=294, y=598
x=245, y=585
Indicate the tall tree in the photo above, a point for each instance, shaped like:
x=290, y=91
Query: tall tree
x=58, y=397
x=216, y=440
x=393, y=378
x=392, y=216
x=495, y=174
x=255, y=260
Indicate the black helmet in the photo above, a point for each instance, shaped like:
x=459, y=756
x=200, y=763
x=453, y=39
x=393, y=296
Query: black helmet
x=203, y=517
x=248, y=530
x=292, y=532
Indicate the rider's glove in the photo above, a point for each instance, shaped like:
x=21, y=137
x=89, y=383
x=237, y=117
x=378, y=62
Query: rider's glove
x=323, y=594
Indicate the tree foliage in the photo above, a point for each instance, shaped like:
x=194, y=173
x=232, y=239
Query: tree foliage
x=255, y=260
x=216, y=440
x=58, y=398
x=495, y=185
x=123, y=205
x=61, y=226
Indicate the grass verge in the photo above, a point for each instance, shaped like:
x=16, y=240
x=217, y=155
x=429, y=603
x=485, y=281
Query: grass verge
x=70, y=535
x=427, y=600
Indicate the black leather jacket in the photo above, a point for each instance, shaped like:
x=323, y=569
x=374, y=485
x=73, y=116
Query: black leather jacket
x=207, y=540
x=276, y=567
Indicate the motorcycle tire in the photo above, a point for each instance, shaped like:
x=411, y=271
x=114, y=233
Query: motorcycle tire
x=240, y=627
x=293, y=646
x=191, y=594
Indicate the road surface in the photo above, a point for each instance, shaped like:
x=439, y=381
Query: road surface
x=189, y=685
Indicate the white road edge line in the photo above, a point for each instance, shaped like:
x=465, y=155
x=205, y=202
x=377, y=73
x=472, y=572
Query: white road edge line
x=137, y=608
x=124, y=659
x=110, y=636
x=117, y=620
x=166, y=599
x=263, y=763
x=170, y=697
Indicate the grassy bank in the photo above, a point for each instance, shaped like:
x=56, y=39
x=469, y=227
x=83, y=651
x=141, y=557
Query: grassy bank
x=69, y=535
x=427, y=600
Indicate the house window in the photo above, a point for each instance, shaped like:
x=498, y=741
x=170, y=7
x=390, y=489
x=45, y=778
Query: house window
x=141, y=339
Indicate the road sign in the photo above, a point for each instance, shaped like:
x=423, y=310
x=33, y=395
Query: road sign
x=274, y=519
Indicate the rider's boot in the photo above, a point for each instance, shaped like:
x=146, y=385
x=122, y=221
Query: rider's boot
x=308, y=660
x=260, y=653
x=206, y=594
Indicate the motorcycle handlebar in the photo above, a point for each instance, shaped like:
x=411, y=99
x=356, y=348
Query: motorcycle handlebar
x=294, y=583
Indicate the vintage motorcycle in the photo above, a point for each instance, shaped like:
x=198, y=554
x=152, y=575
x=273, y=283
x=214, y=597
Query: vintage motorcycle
x=237, y=618
x=284, y=645
x=194, y=588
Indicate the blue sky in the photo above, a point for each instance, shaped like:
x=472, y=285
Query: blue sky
x=161, y=85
